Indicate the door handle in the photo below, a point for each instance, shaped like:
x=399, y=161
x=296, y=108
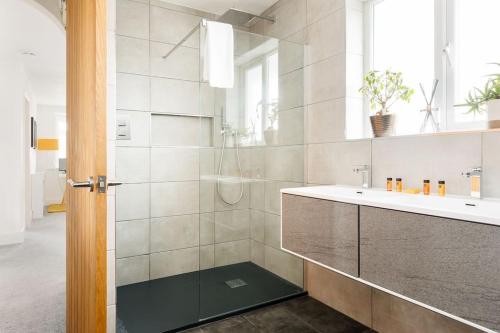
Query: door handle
x=115, y=183
x=103, y=184
x=89, y=183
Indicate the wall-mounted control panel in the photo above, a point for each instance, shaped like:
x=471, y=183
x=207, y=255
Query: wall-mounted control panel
x=123, y=128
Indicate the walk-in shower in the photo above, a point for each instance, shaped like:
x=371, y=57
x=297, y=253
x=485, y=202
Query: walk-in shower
x=208, y=243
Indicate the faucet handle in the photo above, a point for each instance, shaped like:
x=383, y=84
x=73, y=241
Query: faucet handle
x=360, y=168
x=476, y=171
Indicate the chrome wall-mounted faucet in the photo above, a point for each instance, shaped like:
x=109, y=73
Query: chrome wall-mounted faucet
x=364, y=170
x=476, y=181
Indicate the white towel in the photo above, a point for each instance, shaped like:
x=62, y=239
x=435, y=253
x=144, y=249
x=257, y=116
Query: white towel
x=218, y=55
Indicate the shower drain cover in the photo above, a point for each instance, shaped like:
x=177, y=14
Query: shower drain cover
x=235, y=283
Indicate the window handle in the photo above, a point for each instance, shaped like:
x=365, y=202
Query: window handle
x=448, y=53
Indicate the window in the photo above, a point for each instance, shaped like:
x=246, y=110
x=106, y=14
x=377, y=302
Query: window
x=428, y=39
x=261, y=94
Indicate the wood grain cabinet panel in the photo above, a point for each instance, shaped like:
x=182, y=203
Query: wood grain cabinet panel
x=448, y=264
x=322, y=230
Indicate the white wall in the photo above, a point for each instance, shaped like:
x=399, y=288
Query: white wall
x=13, y=88
x=48, y=161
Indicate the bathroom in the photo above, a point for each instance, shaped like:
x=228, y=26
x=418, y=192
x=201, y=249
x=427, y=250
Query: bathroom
x=199, y=233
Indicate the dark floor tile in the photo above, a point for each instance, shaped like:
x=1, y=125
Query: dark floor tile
x=193, y=330
x=323, y=318
x=277, y=319
x=232, y=325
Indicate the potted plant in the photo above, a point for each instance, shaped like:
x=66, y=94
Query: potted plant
x=486, y=100
x=270, y=133
x=383, y=90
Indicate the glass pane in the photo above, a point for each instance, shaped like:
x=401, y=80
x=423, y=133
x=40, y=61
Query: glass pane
x=475, y=47
x=404, y=42
x=253, y=100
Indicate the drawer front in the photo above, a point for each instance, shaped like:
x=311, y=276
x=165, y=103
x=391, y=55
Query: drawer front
x=448, y=264
x=321, y=230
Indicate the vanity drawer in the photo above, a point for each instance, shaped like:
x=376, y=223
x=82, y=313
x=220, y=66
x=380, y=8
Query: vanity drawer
x=448, y=264
x=321, y=230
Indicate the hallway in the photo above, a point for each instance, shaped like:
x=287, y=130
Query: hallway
x=32, y=279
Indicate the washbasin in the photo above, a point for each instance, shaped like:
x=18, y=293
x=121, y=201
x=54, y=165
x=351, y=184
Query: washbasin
x=453, y=207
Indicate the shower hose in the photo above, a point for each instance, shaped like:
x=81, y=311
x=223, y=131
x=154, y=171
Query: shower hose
x=237, y=146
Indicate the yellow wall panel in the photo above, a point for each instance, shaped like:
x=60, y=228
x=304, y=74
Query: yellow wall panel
x=48, y=144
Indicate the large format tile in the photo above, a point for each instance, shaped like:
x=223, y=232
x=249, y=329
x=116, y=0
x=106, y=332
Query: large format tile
x=277, y=319
x=326, y=37
x=132, y=202
x=207, y=256
x=132, y=164
x=285, y=265
x=257, y=253
x=175, y=232
x=207, y=228
x=132, y=55
x=232, y=252
x=174, y=96
x=132, y=92
x=291, y=127
x=183, y=63
x=285, y=163
x=132, y=19
x=257, y=225
x=325, y=80
x=273, y=230
x=291, y=90
x=291, y=56
x=273, y=196
x=290, y=17
x=316, y=9
x=174, y=262
x=325, y=121
x=132, y=238
x=174, y=164
x=132, y=270
x=234, y=324
x=170, y=26
x=175, y=131
x=232, y=225
x=174, y=198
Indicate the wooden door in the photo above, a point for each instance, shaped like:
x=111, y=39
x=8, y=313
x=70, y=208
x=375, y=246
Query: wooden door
x=86, y=210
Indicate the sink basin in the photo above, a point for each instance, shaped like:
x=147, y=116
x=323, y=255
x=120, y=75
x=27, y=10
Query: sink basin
x=454, y=207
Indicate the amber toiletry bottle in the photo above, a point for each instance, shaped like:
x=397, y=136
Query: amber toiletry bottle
x=442, y=188
x=427, y=187
x=399, y=185
x=389, y=184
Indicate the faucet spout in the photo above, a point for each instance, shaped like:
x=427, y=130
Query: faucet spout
x=476, y=181
x=364, y=170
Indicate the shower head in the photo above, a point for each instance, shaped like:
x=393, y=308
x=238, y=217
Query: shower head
x=240, y=18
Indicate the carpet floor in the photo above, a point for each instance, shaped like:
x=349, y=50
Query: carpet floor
x=33, y=279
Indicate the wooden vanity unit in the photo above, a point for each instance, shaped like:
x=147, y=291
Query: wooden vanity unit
x=448, y=265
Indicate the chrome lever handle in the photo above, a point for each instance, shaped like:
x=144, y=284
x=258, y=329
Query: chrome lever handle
x=89, y=183
x=114, y=183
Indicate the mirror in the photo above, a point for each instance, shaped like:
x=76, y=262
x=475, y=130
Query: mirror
x=416, y=47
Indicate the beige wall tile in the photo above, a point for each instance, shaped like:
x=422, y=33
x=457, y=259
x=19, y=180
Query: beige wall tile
x=273, y=230
x=416, y=158
x=341, y=293
x=164, y=264
x=207, y=256
x=325, y=80
x=285, y=163
x=175, y=232
x=175, y=131
x=326, y=121
x=491, y=164
x=290, y=17
x=232, y=225
x=316, y=9
x=182, y=64
x=291, y=127
x=232, y=252
x=132, y=202
x=291, y=90
x=326, y=37
x=285, y=265
x=132, y=238
x=174, y=164
x=174, y=198
x=174, y=96
x=257, y=253
x=111, y=278
x=207, y=228
x=132, y=164
x=132, y=19
x=231, y=192
x=291, y=56
x=132, y=92
x=273, y=195
x=132, y=270
x=207, y=196
x=257, y=225
x=171, y=26
x=320, y=167
x=132, y=55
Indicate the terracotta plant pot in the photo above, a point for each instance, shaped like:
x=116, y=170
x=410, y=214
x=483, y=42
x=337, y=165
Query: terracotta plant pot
x=494, y=113
x=382, y=125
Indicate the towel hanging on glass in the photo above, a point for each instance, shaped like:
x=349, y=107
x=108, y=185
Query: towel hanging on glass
x=218, y=55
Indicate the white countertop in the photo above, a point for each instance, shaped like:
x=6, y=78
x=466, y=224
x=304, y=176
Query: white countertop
x=454, y=207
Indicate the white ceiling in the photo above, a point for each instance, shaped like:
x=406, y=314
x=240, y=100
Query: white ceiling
x=220, y=6
x=26, y=27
